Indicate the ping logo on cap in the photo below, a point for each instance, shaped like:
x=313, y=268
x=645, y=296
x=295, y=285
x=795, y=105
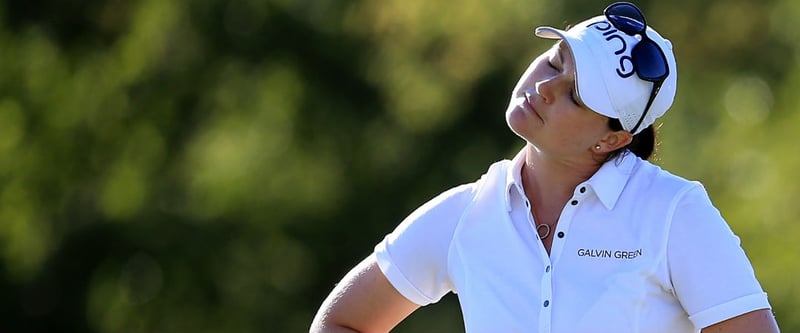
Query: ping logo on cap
x=625, y=68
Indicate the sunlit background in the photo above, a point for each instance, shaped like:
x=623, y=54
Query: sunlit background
x=216, y=166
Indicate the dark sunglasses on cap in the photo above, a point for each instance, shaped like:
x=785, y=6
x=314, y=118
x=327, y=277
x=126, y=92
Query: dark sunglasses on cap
x=649, y=60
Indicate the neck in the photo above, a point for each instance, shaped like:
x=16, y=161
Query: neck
x=556, y=177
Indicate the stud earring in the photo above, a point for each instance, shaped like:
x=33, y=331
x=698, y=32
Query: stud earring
x=597, y=147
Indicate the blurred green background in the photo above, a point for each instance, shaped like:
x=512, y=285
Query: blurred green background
x=216, y=166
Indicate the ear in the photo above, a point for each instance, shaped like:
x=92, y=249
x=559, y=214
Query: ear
x=615, y=140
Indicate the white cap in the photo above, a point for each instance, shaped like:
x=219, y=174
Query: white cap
x=605, y=79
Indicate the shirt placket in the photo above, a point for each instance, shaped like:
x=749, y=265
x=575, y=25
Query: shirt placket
x=546, y=284
x=559, y=236
x=545, y=316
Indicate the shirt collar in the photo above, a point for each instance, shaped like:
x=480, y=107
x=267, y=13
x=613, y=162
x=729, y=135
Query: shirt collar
x=514, y=177
x=607, y=183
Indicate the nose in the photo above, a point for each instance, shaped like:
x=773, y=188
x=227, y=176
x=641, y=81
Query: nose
x=544, y=89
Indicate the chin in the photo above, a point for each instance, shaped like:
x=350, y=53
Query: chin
x=515, y=119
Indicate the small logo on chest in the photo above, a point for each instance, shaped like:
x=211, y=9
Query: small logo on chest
x=612, y=254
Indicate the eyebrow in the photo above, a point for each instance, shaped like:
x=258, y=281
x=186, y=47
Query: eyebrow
x=561, y=52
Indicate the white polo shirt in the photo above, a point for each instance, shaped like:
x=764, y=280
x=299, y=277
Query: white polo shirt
x=636, y=249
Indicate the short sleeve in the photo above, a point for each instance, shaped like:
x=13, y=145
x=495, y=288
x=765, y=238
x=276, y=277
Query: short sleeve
x=414, y=256
x=710, y=272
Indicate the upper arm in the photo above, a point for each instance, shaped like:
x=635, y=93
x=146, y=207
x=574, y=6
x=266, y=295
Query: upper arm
x=755, y=321
x=363, y=301
x=709, y=270
x=413, y=257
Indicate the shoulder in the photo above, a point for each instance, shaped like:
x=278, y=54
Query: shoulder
x=498, y=173
x=654, y=179
x=454, y=200
x=686, y=203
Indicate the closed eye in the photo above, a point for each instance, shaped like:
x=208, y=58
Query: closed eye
x=571, y=91
x=553, y=66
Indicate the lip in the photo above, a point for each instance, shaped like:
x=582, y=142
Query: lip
x=526, y=104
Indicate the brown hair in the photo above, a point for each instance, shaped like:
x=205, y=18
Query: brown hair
x=642, y=145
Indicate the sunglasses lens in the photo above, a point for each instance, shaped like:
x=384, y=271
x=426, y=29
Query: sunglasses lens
x=626, y=24
x=651, y=64
x=626, y=17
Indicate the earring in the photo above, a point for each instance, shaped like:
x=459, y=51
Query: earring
x=597, y=147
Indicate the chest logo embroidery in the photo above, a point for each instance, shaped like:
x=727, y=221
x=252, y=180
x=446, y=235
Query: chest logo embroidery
x=606, y=253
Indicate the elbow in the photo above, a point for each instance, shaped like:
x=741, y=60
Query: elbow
x=321, y=327
x=323, y=323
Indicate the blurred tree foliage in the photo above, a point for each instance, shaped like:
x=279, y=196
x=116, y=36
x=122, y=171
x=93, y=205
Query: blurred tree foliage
x=216, y=166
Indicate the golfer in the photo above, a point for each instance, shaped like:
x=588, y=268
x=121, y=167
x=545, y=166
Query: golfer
x=578, y=233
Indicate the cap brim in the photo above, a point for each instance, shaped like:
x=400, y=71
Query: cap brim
x=550, y=33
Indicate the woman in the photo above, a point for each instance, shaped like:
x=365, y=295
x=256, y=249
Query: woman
x=578, y=233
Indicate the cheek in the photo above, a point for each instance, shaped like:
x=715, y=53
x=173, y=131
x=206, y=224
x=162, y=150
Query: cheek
x=571, y=137
x=582, y=132
x=587, y=133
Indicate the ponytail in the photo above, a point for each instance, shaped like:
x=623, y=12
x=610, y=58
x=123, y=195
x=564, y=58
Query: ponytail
x=642, y=145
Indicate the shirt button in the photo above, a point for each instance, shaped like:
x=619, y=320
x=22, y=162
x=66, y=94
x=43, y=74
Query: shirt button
x=574, y=202
x=547, y=269
x=583, y=189
x=560, y=234
x=546, y=303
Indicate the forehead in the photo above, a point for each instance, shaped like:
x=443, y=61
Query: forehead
x=563, y=52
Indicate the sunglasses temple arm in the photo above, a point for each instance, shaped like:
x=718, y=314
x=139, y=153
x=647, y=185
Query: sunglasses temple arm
x=653, y=94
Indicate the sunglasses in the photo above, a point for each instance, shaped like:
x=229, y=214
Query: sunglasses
x=648, y=59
